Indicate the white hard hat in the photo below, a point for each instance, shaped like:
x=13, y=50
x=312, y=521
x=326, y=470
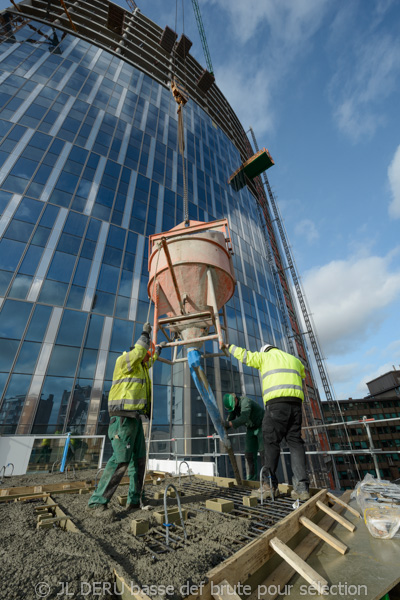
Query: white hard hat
x=267, y=347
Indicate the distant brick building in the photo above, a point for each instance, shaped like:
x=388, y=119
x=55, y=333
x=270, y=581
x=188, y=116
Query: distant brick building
x=382, y=403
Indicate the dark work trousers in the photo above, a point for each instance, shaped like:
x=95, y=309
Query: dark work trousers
x=283, y=420
x=129, y=453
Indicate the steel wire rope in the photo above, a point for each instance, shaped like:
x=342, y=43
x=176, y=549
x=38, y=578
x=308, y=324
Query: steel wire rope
x=151, y=392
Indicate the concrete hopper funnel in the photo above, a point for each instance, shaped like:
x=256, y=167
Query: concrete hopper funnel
x=191, y=278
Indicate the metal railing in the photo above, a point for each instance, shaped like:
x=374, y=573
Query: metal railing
x=365, y=422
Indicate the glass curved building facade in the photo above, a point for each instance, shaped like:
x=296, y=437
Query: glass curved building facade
x=89, y=168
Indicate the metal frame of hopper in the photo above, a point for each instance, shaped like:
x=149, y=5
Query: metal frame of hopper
x=219, y=225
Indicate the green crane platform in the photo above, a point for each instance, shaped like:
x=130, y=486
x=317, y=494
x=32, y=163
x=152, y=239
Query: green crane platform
x=257, y=164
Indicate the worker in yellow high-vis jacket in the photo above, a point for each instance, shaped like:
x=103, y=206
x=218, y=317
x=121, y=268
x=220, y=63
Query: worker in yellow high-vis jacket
x=282, y=388
x=129, y=398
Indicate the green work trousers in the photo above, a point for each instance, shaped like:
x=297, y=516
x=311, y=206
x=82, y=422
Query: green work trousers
x=253, y=446
x=129, y=453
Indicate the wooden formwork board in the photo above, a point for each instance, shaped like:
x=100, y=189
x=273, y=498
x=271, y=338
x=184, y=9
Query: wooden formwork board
x=66, y=487
x=241, y=566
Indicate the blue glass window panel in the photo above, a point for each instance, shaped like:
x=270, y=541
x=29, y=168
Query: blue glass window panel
x=122, y=307
x=112, y=357
x=121, y=338
x=112, y=256
x=125, y=286
x=15, y=184
x=5, y=127
x=61, y=267
x=38, y=325
x=55, y=394
x=40, y=140
x=16, y=390
x=29, y=210
x=105, y=196
x=40, y=237
x=101, y=212
x=131, y=242
x=5, y=278
x=49, y=215
x=5, y=198
x=108, y=279
x=69, y=244
x=67, y=182
x=13, y=319
x=137, y=225
x=104, y=303
x=17, y=133
x=75, y=297
x=53, y=292
x=88, y=249
x=27, y=357
x=63, y=361
x=129, y=261
x=93, y=230
x=20, y=287
x=94, y=331
x=116, y=237
x=61, y=198
x=8, y=350
x=75, y=224
x=116, y=217
x=72, y=328
x=93, y=160
x=24, y=168
x=88, y=364
x=82, y=272
x=18, y=230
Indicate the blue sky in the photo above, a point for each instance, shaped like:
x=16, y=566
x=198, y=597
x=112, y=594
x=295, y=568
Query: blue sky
x=319, y=82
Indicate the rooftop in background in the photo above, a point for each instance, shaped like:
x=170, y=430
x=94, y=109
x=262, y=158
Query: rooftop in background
x=389, y=382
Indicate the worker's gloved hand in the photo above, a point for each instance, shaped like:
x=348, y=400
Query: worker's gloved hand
x=159, y=347
x=147, y=328
x=227, y=424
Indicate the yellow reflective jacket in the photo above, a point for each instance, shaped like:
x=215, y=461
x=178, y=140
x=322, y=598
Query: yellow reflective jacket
x=131, y=386
x=281, y=373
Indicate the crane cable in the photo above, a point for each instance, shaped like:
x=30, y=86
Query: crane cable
x=146, y=465
x=181, y=99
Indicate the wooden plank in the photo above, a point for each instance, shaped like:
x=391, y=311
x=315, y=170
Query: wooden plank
x=224, y=591
x=335, y=516
x=244, y=563
x=299, y=565
x=269, y=587
x=324, y=535
x=69, y=524
x=337, y=500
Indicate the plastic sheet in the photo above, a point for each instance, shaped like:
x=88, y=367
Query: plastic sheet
x=380, y=504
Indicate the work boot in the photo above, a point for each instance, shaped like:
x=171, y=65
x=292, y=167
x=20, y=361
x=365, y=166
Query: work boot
x=132, y=507
x=302, y=495
x=97, y=507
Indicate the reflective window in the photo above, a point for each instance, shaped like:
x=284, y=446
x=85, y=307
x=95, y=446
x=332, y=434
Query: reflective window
x=53, y=405
x=53, y=292
x=88, y=364
x=79, y=406
x=61, y=267
x=28, y=210
x=8, y=350
x=13, y=318
x=108, y=279
x=121, y=338
x=38, y=325
x=94, y=331
x=72, y=328
x=10, y=254
x=18, y=230
x=20, y=287
x=27, y=357
x=13, y=401
x=63, y=361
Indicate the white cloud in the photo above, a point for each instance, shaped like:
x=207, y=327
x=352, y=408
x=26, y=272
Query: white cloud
x=348, y=299
x=394, y=182
x=366, y=74
x=343, y=373
x=307, y=229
